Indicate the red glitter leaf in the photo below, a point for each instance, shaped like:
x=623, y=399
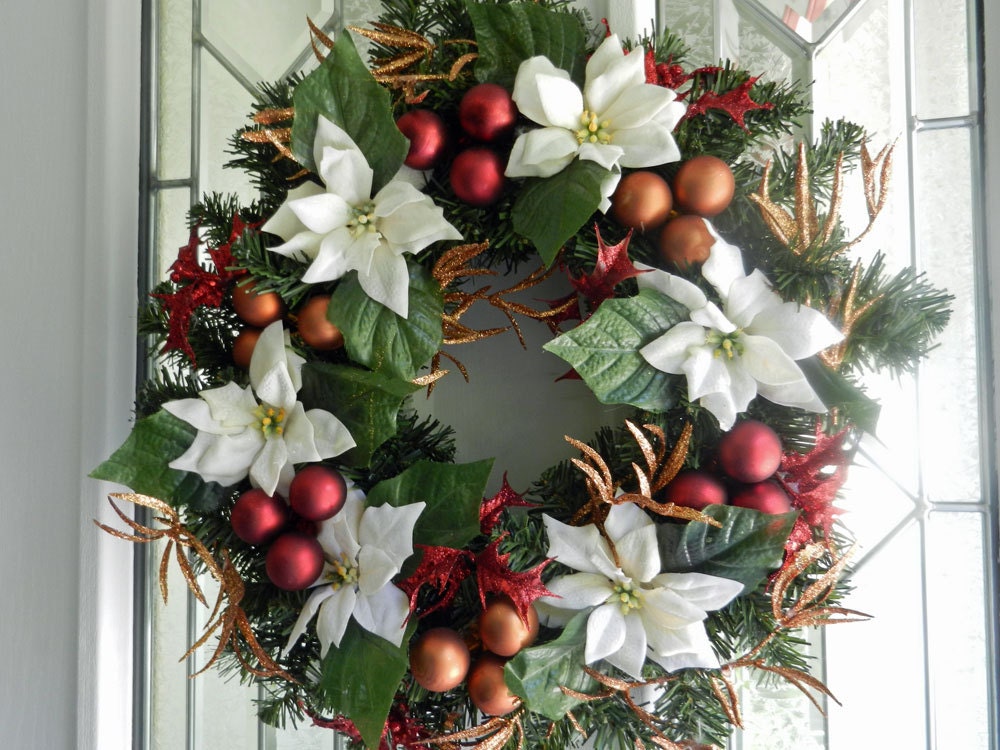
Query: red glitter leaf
x=569, y=312
x=494, y=576
x=665, y=74
x=400, y=727
x=441, y=568
x=735, y=103
x=813, y=479
x=492, y=507
x=612, y=268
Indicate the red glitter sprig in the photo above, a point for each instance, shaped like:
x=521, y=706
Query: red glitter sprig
x=494, y=576
x=492, y=507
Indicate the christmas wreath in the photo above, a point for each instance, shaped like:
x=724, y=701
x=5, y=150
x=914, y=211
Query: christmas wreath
x=364, y=579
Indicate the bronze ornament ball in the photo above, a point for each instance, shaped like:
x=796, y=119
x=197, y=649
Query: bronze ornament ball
x=487, y=689
x=258, y=310
x=502, y=630
x=439, y=660
x=642, y=201
x=704, y=186
x=685, y=240
x=243, y=347
x=315, y=328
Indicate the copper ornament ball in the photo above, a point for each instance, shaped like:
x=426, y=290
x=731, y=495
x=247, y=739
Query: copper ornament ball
x=439, y=660
x=315, y=328
x=642, y=201
x=704, y=185
x=258, y=310
x=244, y=345
x=685, y=240
x=487, y=689
x=502, y=630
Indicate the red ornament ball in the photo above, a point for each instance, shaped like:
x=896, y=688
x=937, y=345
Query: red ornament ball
x=696, y=489
x=244, y=345
x=685, y=240
x=314, y=327
x=642, y=201
x=257, y=517
x=439, y=660
x=487, y=689
x=477, y=176
x=294, y=561
x=258, y=310
x=502, y=630
x=767, y=497
x=704, y=185
x=428, y=137
x=487, y=112
x=317, y=492
x=750, y=452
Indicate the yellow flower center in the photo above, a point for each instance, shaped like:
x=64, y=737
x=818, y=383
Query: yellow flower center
x=726, y=345
x=626, y=596
x=593, y=130
x=270, y=420
x=343, y=572
x=363, y=220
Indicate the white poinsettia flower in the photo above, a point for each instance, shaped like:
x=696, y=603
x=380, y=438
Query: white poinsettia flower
x=342, y=227
x=747, y=348
x=364, y=549
x=618, y=120
x=636, y=612
x=261, y=430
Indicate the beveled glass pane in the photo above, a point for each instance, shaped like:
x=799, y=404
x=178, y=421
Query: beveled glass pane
x=810, y=19
x=942, y=58
x=956, y=621
x=168, y=677
x=302, y=737
x=696, y=23
x=225, y=104
x=949, y=398
x=173, y=88
x=171, y=226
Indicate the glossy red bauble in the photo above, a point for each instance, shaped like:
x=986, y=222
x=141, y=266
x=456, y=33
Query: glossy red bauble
x=487, y=112
x=258, y=310
x=685, y=240
x=704, y=185
x=439, y=660
x=244, y=345
x=502, y=630
x=487, y=689
x=428, y=137
x=767, y=497
x=750, y=452
x=294, y=561
x=477, y=176
x=642, y=201
x=314, y=327
x=696, y=489
x=317, y=492
x=257, y=517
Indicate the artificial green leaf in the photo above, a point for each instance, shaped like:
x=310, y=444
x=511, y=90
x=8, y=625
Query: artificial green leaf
x=605, y=350
x=342, y=90
x=142, y=464
x=366, y=402
x=537, y=674
x=453, y=493
x=836, y=391
x=507, y=35
x=550, y=210
x=381, y=340
x=361, y=676
x=749, y=545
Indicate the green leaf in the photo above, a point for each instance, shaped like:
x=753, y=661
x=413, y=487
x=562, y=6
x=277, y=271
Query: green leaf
x=836, y=391
x=536, y=674
x=550, y=210
x=453, y=493
x=360, y=678
x=366, y=402
x=141, y=463
x=507, y=35
x=749, y=545
x=381, y=340
x=605, y=350
x=343, y=90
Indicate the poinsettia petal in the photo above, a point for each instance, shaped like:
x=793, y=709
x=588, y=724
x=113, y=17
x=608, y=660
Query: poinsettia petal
x=611, y=74
x=390, y=529
x=767, y=363
x=322, y=213
x=234, y=463
x=800, y=330
x=342, y=166
x=632, y=654
x=691, y=649
x=384, y=613
x=724, y=264
x=711, y=316
x=408, y=224
x=579, y=547
x=339, y=253
x=269, y=371
x=670, y=351
x=722, y=406
x=338, y=536
x=635, y=107
x=284, y=222
x=646, y=146
x=305, y=244
x=265, y=471
x=231, y=407
x=334, y=614
x=578, y=591
x=561, y=102
x=331, y=437
x=606, y=632
x=625, y=518
x=541, y=153
x=376, y=569
x=607, y=155
x=198, y=413
x=799, y=394
x=678, y=289
x=749, y=296
x=299, y=437
x=639, y=553
x=309, y=610
x=706, y=373
x=387, y=280
x=527, y=95
x=705, y=591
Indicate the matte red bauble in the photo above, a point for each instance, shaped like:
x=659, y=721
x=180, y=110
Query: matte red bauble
x=487, y=690
x=502, y=630
x=767, y=497
x=704, y=185
x=685, y=240
x=257, y=517
x=477, y=176
x=750, y=452
x=487, y=112
x=439, y=660
x=428, y=137
x=258, y=310
x=244, y=345
x=314, y=327
x=695, y=489
x=317, y=492
x=642, y=201
x=294, y=561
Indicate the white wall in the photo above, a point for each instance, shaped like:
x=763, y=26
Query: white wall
x=68, y=145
